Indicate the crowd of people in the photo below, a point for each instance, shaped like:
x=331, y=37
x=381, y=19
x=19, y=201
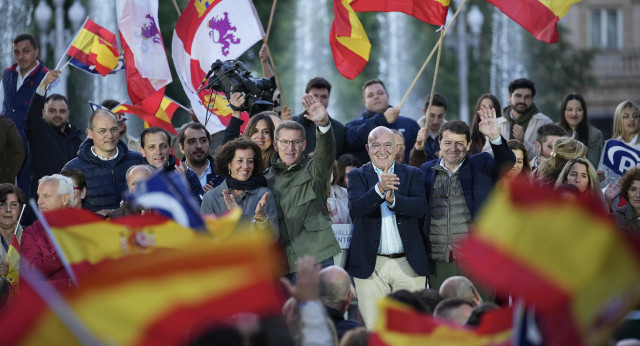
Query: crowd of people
x=410, y=188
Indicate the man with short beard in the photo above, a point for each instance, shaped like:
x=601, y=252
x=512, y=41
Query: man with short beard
x=52, y=140
x=521, y=119
x=194, y=144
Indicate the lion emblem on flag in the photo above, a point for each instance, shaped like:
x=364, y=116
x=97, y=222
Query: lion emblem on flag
x=223, y=32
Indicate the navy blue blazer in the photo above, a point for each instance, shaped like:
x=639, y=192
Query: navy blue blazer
x=410, y=208
x=478, y=174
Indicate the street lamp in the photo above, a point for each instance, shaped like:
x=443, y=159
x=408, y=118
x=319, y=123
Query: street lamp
x=463, y=41
x=60, y=38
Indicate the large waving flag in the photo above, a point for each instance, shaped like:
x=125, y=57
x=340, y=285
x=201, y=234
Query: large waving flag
x=94, y=46
x=168, y=193
x=162, y=298
x=162, y=117
x=206, y=31
x=566, y=258
x=539, y=17
x=87, y=239
x=349, y=42
x=147, y=68
x=13, y=259
x=400, y=325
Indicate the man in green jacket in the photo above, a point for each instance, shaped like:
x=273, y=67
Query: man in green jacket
x=300, y=185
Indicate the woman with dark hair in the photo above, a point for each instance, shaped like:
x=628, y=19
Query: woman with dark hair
x=260, y=129
x=11, y=202
x=240, y=162
x=573, y=118
x=478, y=140
x=628, y=217
x=521, y=169
x=345, y=164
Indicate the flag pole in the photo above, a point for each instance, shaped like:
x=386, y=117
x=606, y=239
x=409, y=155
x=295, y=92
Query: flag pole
x=275, y=73
x=71, y=43
x=273, y=10
x=435, y=75
x=175, y=4
x=54, y=242
x=455, y=15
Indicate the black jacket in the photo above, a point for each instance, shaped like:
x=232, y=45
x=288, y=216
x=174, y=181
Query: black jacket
x=49, y=148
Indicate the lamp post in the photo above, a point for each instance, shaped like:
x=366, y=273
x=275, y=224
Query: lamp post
x=462, y=40
x=60, y=37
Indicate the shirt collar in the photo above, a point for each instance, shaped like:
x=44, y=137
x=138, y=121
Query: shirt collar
x=379, y=171
x=455, y=170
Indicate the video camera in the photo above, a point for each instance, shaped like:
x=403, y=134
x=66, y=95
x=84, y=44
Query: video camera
x=233, y=76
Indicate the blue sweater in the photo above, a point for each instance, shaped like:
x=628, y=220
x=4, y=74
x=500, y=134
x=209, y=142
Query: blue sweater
x=16, y=102
x=358, y=132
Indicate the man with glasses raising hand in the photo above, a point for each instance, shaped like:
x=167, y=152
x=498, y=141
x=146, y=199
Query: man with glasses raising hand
x=104, y=160
x=299, y=184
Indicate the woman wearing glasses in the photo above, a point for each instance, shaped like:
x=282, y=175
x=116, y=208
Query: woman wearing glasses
x=11, y=202
x=240, y=162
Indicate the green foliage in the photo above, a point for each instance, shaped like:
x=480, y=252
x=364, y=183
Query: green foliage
x=557, y=70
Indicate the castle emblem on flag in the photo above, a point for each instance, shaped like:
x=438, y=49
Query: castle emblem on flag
x=150, y=31
x=223, y=32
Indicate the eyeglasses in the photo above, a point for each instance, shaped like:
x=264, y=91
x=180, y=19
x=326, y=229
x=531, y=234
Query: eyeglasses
x=103, y=132
x=11, y=205
x=376, y=145
x=285, y=142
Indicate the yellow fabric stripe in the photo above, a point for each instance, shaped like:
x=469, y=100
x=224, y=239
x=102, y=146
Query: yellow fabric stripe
x=161, y=113
x=105, y=240
x=104, y=55
x=358, y=42
x=558, y=7
x=583, y=256
x=84, y=41
x=118, y=315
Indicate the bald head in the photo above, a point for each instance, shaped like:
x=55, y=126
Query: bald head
x=136, y=174
x=381, y=146
x=460, y=287
x=335, y=288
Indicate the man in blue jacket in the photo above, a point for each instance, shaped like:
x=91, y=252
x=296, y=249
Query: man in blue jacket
x=388, y=249
x=104, y=160
x=457, y=185
x=19, y=82
x=378, y=113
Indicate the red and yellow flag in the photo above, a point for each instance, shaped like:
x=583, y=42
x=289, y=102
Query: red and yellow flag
x=539, y=17
x=161, y=119
x=163, y=298
x=564, y=257
x=95, y=45
x=349, y=42
x=400, y=325
x=13, y=259
x=87, y=239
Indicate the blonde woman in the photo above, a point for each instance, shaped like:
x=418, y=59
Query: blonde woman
x=626, y=123
x=564, y=149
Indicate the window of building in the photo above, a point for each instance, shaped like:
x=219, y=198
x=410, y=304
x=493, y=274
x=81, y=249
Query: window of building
x=606, y=28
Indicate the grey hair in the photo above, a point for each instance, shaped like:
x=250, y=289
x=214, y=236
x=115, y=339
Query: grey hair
x=290, y=125
x=136, y=166
x=65, y=184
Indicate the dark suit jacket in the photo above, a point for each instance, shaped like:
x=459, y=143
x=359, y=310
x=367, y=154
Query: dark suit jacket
x=410, y=208
x=478, y=174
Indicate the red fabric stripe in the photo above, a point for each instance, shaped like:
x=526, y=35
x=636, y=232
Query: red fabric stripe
x=428, y=11
x=348, y=63
x=103, y=70
x=481, y=261
x=79, y=55
x=500, y=270
x=171, y=109
x=533, y=16
x=191, y=321
x=140, y=220
x=341, y=23
x=70, y=217
x=19, y=318
x=150, y=118
x=189, y=22
x=105, y=34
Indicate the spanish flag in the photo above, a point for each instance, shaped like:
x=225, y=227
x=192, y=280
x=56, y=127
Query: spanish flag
x=87, y=239
x=400, y=325
x=349, y=42
x=13, y=258
x=564, y=257
x=161, y=119
x=95, y=46
x=163, y=298
x=539, y=17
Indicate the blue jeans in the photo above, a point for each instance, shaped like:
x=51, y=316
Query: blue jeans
x=325, y=263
